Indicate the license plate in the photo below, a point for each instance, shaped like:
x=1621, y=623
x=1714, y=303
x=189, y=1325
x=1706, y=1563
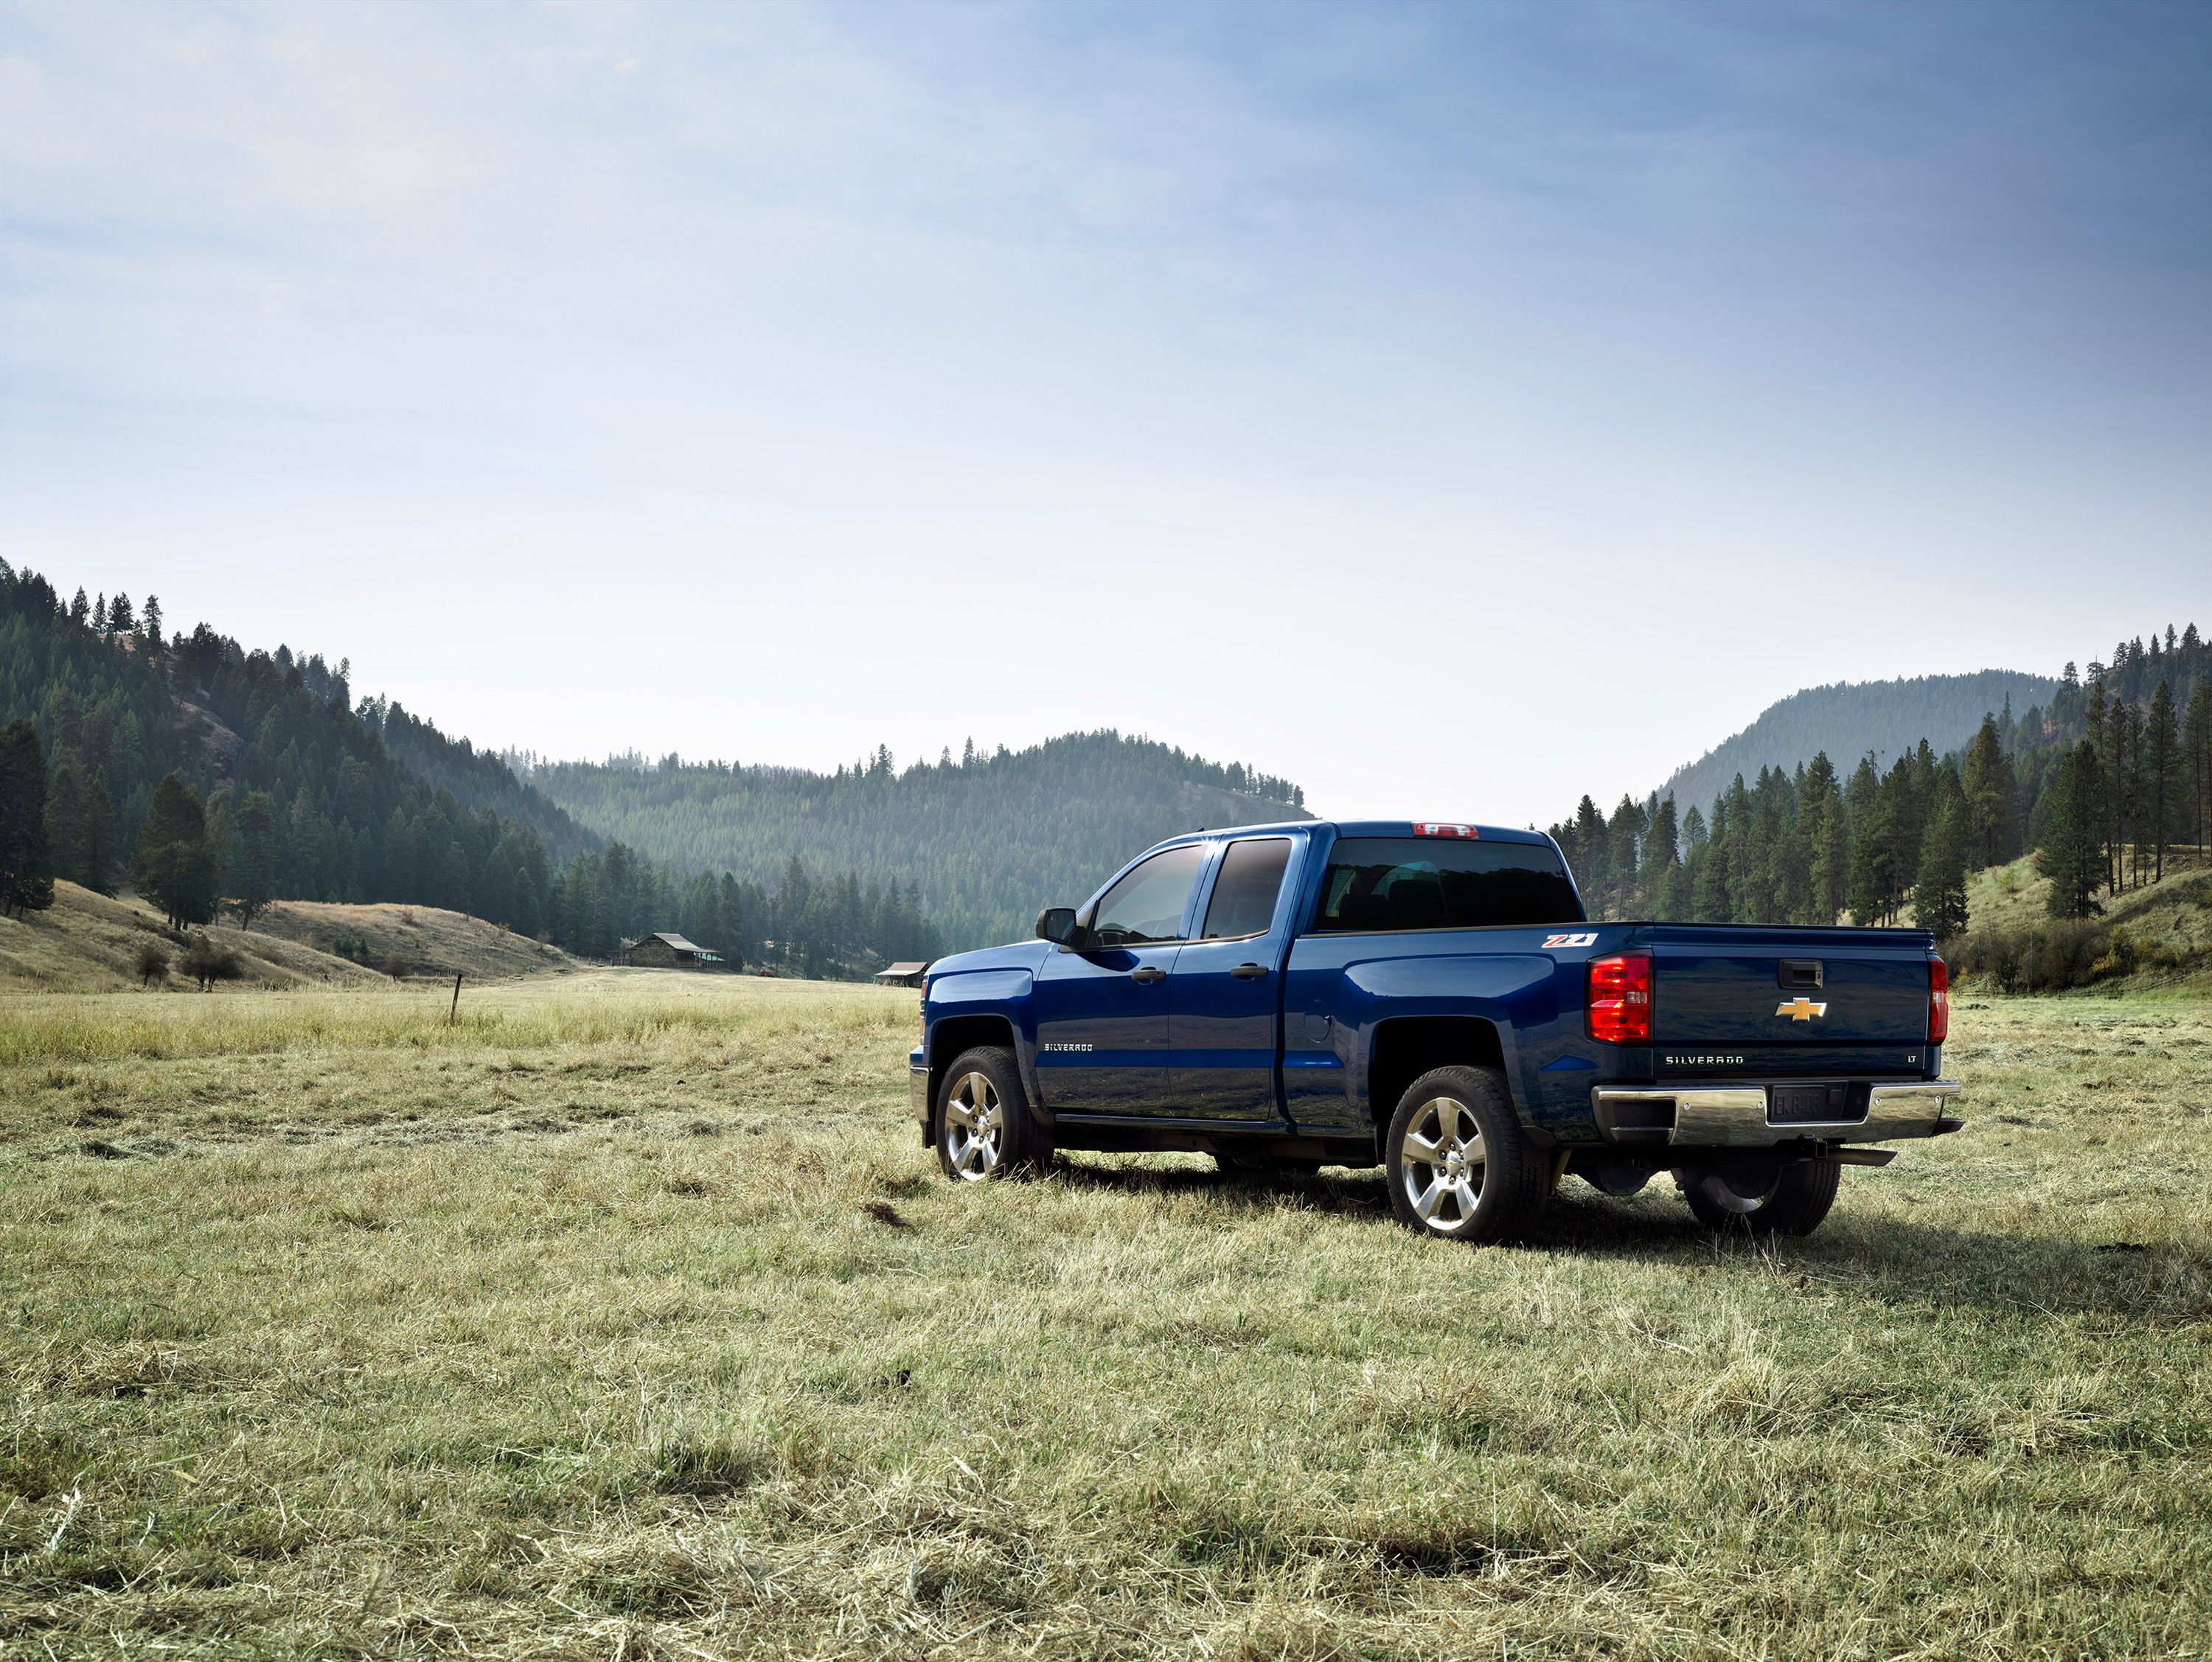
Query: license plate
x=1805, y=1104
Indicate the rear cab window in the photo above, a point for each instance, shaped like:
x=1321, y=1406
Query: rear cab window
x=1384, y=885
x=1243, y=898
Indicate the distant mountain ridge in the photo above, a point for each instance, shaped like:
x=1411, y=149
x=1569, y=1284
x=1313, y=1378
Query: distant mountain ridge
x=1847, y=719
x=989, y=838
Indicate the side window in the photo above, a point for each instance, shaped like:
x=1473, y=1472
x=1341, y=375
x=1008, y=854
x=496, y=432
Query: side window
x=1244, y=901
x=1147, y=904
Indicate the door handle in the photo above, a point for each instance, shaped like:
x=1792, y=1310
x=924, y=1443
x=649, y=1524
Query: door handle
x=1150, y=972
x=1249, y=972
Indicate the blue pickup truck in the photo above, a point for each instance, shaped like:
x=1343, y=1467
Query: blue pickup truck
x=1431, y=998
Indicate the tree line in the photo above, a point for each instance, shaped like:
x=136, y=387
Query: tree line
x=806, y=925
x=2102, y=783
x=987, y=836
x=218, y=778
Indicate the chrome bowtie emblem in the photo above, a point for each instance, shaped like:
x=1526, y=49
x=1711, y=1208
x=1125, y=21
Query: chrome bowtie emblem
x=1801, y=1009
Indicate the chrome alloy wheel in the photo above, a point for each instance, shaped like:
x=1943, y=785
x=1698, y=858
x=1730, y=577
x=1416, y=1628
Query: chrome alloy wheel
x=974, y=1128
x=1442, y=1165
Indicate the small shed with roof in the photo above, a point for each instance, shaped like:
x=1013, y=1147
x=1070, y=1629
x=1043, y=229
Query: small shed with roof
x=667, y=950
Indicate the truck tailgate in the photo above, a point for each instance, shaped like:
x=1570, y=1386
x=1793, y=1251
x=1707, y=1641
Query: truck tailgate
x=1754, y=985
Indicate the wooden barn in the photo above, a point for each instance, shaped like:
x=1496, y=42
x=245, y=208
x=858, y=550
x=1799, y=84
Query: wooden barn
x=901, y=975
x=666, y=952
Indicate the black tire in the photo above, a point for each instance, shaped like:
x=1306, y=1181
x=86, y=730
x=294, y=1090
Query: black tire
x=1776, y=1200
x=983, y=1125
x=1430, y=1196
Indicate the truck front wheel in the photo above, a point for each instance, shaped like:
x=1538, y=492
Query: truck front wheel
x=1459, y=1164
x=1770, y=1200
x=984, y=1129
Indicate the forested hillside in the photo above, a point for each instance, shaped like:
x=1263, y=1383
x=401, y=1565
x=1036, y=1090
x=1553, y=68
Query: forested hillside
x=219, y=779
x=2108, y=781
x=1852, y=718
x=255, y=759
x=478, y=779
x=986, y=838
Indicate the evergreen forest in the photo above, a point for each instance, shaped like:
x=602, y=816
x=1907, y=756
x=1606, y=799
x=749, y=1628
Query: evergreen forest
x=2104, y=782
x=216, y=779
x=985, y=837
x=1852, y=718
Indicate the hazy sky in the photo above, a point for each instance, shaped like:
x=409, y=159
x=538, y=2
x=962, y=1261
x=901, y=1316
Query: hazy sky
x=1451, y=407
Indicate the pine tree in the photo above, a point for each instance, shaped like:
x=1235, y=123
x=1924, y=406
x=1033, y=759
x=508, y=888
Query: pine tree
x=2197, y=741
x=253, y=881
x=1986, y=774
x=1708, y=863
x=2097, y=727
x=99, y=835
x=1826, y=847
x=1907, y=789
x=174, y=867
x=1624, y=835
x=1868, y=886
x=1587, y=853
x=1939, y=893
x=27, y=872
x=1663, y=862
x=2129, y=793
x=2072, y=854
x=733, y=944
x=68, y=826
x=2162, y=774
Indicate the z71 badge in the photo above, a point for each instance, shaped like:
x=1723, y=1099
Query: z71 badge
x=1551, y=940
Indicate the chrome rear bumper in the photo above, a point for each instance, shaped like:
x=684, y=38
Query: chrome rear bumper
x=1735, y=1116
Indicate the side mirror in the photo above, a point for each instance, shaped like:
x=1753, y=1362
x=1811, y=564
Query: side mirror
x=1056, y=924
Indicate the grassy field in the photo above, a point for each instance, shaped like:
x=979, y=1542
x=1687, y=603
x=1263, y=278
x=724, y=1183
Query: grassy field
x=625, y=1318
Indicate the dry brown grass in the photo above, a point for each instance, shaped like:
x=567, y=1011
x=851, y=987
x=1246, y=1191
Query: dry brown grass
x=86, y=943
x=626, y=1319
x=430, y=941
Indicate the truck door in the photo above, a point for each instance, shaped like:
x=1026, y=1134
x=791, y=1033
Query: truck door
x=1101, y=1011
x=1225, y=989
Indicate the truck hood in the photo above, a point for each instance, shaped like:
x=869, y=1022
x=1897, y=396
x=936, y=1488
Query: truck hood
x=1020, y=955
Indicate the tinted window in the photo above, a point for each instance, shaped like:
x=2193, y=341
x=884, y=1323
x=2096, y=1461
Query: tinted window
x=1244, y=900
x=1147, y=904
x=1376, y=882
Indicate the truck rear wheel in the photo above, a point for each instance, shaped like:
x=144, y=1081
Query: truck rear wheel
x=1771, y=1200
x=984, y=1128
x=1459, y=1164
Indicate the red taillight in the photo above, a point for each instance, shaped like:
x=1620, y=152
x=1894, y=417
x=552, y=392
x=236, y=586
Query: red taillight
x=1939, y=1000
x=1620, y=1007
